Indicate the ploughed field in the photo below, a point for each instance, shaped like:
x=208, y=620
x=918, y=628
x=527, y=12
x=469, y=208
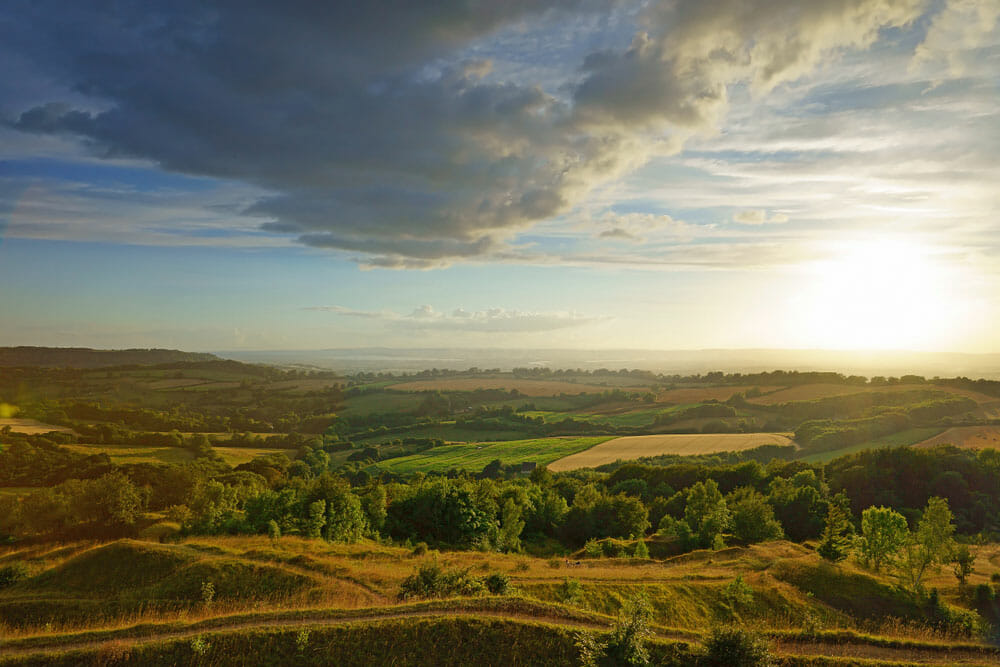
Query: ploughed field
x=637, y=446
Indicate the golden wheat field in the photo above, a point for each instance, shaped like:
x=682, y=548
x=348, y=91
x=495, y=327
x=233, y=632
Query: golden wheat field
x=966, y=437
x=636, y=446
x=526, y=387
x=31, y=426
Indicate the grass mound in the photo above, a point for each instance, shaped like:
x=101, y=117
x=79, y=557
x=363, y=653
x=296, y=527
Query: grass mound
x=232, y=580
x=126, y=564
x=857, y=595
x=413, y=641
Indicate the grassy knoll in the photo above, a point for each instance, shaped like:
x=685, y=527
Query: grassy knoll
x=905, y=438
x=474, y=456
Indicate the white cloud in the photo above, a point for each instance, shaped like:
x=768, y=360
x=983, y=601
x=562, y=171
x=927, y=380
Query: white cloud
x=493, y=320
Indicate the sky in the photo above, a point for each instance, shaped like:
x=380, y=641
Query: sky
x=214, y=175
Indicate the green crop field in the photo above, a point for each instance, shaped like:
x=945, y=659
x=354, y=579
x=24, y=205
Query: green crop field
x=474, y=456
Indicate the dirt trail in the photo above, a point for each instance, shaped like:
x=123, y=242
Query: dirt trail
x=962, y=656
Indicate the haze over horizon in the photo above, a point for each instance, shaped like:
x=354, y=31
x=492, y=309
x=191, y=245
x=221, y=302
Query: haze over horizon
x=578, y=174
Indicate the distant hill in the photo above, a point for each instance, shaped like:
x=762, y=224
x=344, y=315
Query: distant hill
x=82, y=357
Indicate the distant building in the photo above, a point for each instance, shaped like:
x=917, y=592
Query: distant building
x=528, y=467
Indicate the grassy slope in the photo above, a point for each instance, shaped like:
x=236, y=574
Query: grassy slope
x=902, y=439
x=256, y=580
x=474, y=456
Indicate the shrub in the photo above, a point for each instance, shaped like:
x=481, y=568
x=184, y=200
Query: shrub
x=497, y=583
x=11, y=574
x=738, y=593
x=431, y=580
x=420, y=549
x=569, y=591
x=736, y=647
x=593, y=549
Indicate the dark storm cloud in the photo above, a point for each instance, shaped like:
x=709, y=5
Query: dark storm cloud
x=374, y=132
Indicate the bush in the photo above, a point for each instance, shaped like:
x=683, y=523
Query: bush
x=11, y=574
x=431, y=580
x=497, y=583
x=737, y=647
x=569, y=591
x=420, y=549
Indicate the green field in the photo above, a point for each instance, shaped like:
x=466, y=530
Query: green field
x=381, y=402
x=446, y=431
x=474, y=456
x=902, y=439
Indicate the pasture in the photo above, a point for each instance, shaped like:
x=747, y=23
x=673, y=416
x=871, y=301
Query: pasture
x=686, y=395
x=966, y=437
x=810, y=392
x=638, y=446
x=474, y=456
x=525, y=387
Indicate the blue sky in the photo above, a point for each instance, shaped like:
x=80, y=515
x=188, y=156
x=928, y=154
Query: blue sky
x=579, y=174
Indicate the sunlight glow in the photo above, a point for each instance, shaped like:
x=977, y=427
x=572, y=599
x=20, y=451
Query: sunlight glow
x=882, y=293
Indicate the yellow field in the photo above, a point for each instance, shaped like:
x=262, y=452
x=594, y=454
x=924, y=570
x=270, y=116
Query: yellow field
x=966, y=437
x=526, y=387
x=809, y=392
x=636, y=446
x=31, y=427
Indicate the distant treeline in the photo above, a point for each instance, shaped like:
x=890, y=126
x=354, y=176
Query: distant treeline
x=82, y=357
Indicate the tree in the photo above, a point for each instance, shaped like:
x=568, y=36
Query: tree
x=752, y=517
x=511, y=526
x=706, y=512
x=931, y=544
x=315, y=518
x=835, y=542
x=962, y=559
x=883, y=533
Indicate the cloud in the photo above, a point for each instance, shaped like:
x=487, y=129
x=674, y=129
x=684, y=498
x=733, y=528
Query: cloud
x=493, y=320
x=619, y=234
x=960, y=27
x=758, y=217
x=377, y=129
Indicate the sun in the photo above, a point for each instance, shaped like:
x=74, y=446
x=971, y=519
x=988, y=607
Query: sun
x=873, y=294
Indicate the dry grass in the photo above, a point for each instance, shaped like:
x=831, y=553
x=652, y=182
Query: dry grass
x=32, y=427
x=637, y=446
x=526, y=387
